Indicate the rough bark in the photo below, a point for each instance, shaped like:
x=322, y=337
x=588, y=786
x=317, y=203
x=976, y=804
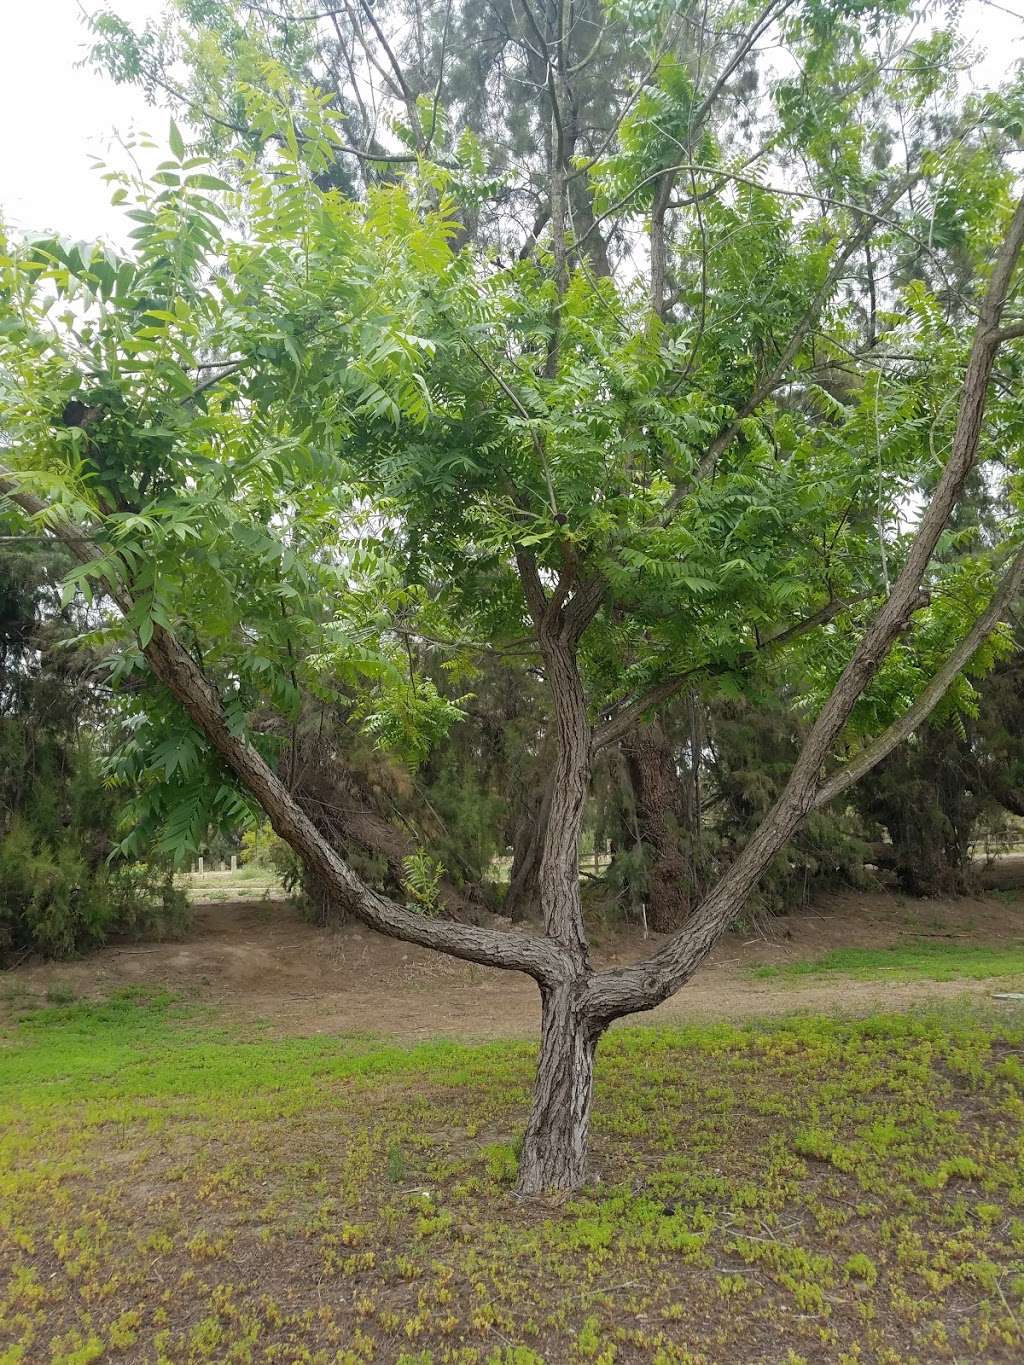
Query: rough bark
x=178, y=671
x=555, y=1144
x=554, y=1154
x=560, y=861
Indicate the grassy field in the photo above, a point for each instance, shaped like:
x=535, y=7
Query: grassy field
x=813, y=1190
x=919, y=961
x=248, y=883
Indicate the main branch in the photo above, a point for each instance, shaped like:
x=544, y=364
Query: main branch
x=645, y=984
x=174, y=666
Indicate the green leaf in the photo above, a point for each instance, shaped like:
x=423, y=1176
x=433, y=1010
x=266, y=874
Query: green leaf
x=206, y=182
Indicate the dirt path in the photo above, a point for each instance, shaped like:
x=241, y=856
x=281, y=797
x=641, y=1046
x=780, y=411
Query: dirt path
x=262, y=961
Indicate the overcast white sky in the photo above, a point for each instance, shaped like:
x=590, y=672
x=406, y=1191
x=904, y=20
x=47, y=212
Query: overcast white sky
x=54, y=117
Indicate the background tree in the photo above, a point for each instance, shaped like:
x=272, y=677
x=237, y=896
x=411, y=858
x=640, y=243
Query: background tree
x=956, y=783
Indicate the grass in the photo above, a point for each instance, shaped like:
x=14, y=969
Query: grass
x=810, y=1190
x=246, y=883
x=917, y=961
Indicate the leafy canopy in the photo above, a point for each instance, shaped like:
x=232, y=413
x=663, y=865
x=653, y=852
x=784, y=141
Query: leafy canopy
x=307, y=427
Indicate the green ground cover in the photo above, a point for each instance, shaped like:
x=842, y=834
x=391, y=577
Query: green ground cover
x=813, y=1190
x=924, y=960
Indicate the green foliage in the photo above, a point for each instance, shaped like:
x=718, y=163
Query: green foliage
x=60, y=890
x=502, y=1162
x=409, y=720
x=312, y=414
x=55, y=901
x=262, y=848
x=420, y=882
x=957, y=781
x=397, y=1169
x=757, y=737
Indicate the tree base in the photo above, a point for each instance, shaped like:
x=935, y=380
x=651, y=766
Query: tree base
x=554, y=1155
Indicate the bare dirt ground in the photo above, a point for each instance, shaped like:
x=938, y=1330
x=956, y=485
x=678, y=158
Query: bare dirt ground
x=262, y=961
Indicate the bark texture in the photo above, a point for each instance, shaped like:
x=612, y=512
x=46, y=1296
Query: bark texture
x=554, y=1155
x=560, y=862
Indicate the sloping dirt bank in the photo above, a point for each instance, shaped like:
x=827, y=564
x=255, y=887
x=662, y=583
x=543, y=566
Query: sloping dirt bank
x=262, y=961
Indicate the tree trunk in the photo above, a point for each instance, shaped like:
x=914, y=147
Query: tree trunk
x=560, y=863
x=662, y=825
x=522, y=900
x=554, y=1155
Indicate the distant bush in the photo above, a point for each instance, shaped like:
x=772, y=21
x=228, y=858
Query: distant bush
x=55, y=900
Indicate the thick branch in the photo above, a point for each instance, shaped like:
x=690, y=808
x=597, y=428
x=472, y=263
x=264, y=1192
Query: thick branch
x=533, y=588
x=901, y=729
x=647, y=983
x=181, y=675
x=582, y=606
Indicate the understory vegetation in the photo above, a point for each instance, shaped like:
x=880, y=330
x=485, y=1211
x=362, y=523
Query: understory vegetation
x=64, y=887
x=810, y=1190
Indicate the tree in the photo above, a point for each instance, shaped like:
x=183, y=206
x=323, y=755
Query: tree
x=450, y=78
x=295, y=443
